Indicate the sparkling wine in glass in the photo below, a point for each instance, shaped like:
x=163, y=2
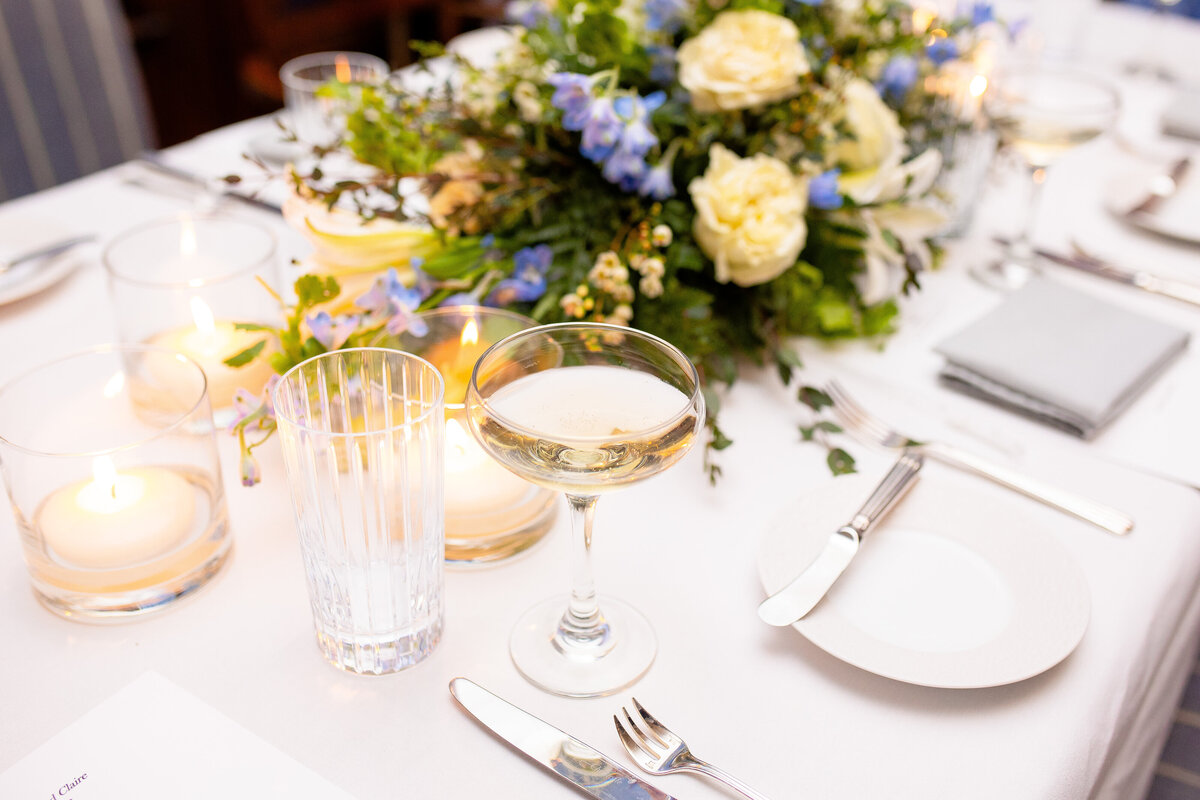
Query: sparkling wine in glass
x=584, y=408
x=1041, y=112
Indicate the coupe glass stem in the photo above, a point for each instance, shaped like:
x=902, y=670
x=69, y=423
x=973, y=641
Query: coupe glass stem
x=1020, y=262
x=582, y=626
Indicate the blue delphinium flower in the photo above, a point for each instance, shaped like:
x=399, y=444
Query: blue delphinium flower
x=982, y=13
x=666, y=16
x=625, y=170
x=601, y=131
x=637, y=138
x=662, y=64
x=823, y=191
x=572, y=96
x=332, y=332
x=388, y=300
x=897, y=77
x=658, y=182
x=526, y=13
x=941, y=50
x=528, y=281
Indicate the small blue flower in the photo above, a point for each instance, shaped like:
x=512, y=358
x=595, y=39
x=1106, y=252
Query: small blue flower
x=537, y=259
x=332, y=332
x=662, y=64
x=823, y=191
x=941, y=50
x=982, y=13
x=666, y=16
x=487, y=241
x=526, y=13
x=625, y=170
x=573, y=97
x=602, y=130
x=898, y=76
x=390, y=300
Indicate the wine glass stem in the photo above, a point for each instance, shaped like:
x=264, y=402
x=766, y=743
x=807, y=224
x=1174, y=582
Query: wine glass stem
x=1020, y=251
x=582, y=625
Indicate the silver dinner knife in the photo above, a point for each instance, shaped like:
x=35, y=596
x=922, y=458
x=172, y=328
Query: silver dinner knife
x=46, y=251
x=801, y=596
x=575, y=762
x=1178, y=290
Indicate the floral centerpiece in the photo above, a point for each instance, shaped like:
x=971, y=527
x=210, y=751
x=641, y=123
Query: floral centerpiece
x=725, y=174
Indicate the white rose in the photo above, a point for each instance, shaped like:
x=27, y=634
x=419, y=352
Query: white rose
x=875, y=147
x=749, y=216
x=742, y=59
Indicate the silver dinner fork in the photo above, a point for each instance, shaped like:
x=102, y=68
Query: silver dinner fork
x=660, y=752
x=45, y=251
x=866, y=426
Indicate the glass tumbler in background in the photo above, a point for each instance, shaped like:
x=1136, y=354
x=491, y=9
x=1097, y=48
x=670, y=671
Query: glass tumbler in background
x=186, y=283
x=362, y=436
x=314, y=117
x=110, y=461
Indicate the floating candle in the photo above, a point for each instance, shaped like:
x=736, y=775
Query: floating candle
x=118, y=519
x=209, y=343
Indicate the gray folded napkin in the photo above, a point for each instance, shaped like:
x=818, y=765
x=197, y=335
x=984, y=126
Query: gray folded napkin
x=1059, y=356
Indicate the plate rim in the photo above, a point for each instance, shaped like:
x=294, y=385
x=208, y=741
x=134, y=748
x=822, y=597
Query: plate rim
x=826, y=628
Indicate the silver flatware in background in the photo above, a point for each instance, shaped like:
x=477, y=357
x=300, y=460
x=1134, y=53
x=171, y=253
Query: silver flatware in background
x=803, y=594
x=1162, y=187
x=866, y=426
x=579, y=764
x=660, y=751
x=1140, y=279
x=190, y=184
x=45, y=251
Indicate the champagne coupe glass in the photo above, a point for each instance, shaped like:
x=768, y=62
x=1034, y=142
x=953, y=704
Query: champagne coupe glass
x=1041, y=112
x=584, y=408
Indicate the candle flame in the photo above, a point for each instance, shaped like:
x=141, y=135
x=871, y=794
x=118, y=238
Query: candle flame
x=187, y=237
x=341, y=67
x=114, y=385
x=456, y=438
x=203, y=317
x=470, y=334
x=978, y=86
x=109, y=491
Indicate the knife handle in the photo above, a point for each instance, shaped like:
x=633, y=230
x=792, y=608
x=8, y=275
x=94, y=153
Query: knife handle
x=887, y=493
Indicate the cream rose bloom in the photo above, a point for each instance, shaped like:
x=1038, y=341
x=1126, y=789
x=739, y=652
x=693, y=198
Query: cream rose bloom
x=742, y=59
x=875, y=147
x=749, y=216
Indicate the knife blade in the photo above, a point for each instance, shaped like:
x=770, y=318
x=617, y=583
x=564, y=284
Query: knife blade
x=1162, y=188
x=155, y=163
x=802, y=595
x=577, y=763
x=1177, y=290
x=46, y=251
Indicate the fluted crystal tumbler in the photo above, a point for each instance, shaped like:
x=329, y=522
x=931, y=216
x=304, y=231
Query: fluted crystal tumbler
x=362, y=435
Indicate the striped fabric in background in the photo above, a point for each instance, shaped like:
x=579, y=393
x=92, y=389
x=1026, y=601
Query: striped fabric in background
x=1178, y=773
x=71, y=97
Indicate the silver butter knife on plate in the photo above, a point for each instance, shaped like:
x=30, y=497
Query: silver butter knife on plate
x=801, y=596
x=579, y=764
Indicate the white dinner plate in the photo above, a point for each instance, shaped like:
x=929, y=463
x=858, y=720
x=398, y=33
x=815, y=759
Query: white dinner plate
x=1177, y=217
x=23, y=234
x=954, y=589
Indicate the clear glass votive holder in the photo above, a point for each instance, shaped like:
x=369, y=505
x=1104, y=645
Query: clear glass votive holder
x=491, y=514
x=362, y=438
x=185, y=283
x=110, y=461
x=316, y=117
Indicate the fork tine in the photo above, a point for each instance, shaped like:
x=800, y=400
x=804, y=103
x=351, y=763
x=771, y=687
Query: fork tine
x=660, y=731
x=631, y=746
x=645, y=742
x=855, y=416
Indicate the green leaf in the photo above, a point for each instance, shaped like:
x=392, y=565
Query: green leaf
x=251, y=326
x=813, y=397
x=719, y=440
x=840, y=462
x=312, y=290
x=787, y=361
x=246, y=356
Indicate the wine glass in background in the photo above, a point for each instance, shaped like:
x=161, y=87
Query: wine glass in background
x=584, y=408
x=1040, y=112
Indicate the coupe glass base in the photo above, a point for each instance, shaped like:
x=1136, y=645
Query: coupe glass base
x=586, y=671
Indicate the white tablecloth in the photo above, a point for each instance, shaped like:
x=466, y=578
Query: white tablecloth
x=763, y=702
